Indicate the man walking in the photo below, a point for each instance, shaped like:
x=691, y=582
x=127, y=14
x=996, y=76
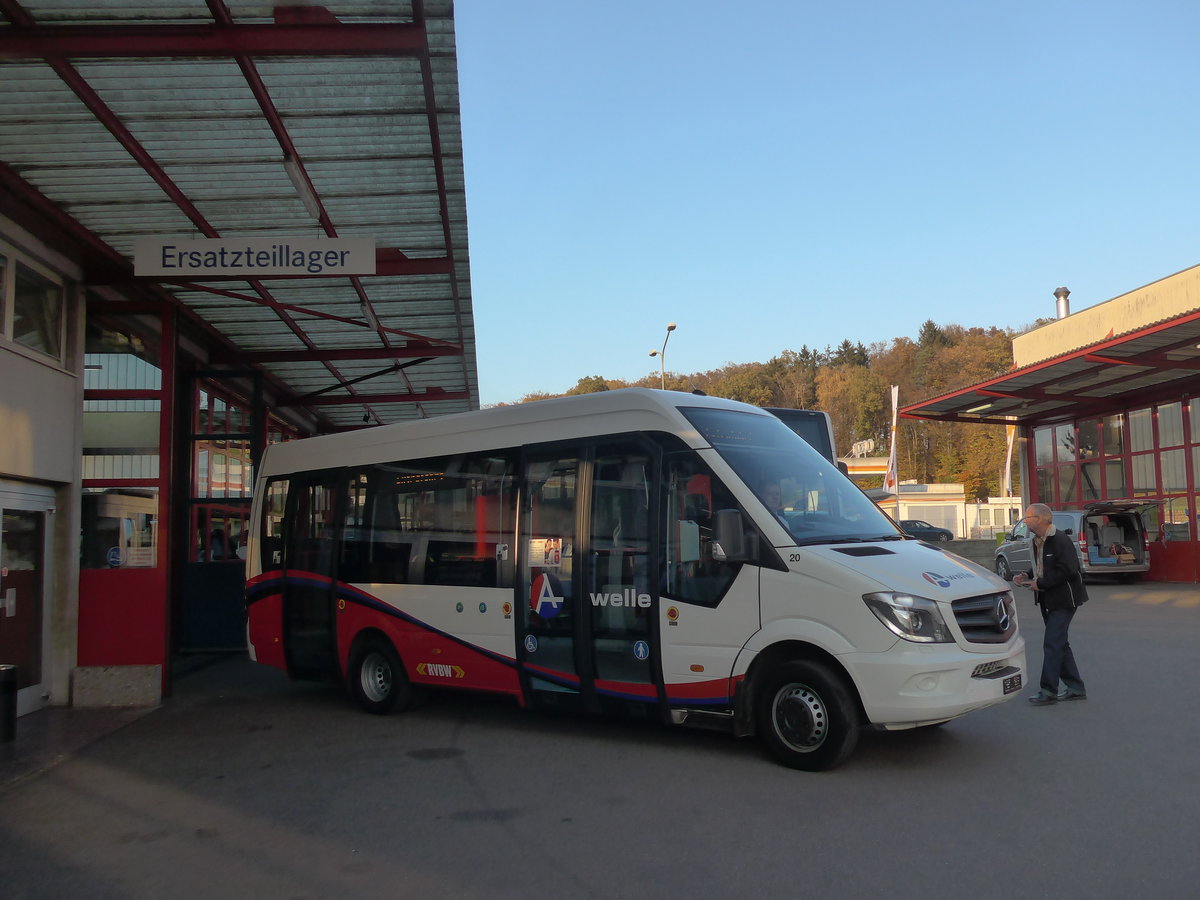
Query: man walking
x=1057, y=584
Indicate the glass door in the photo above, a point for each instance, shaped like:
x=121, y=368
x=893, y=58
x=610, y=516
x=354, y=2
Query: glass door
x=620, y=574
x=309, y=550
x=22, y=598
x=588, y=588
x=548, y=593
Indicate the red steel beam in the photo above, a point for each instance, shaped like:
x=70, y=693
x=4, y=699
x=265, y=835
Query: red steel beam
x=430, y=395
x=208, y=41
x=413, y=350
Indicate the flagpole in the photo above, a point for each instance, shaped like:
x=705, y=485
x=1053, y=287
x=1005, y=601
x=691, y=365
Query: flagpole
x=891, y=480
x=1012, y=434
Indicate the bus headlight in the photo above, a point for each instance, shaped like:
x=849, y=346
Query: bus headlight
x=909, y=617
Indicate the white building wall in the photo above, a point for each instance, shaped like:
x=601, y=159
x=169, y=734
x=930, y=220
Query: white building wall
x=41, y=417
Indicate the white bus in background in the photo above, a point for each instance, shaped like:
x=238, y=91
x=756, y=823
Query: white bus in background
x=613, y=552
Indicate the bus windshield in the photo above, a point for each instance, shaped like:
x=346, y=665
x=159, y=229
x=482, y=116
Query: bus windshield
x=803, y=490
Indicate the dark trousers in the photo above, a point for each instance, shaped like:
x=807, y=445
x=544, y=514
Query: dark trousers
x=1057, y=659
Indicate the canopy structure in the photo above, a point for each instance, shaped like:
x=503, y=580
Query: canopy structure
x=211, y=119
x=1137, y=367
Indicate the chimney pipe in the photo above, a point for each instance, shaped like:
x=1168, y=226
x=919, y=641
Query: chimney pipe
x=1064, y=308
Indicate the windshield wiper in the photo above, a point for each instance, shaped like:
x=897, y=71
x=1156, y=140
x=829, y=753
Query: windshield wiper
x=846, y=539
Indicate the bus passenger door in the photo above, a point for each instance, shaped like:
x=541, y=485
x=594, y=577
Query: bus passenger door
x=588, y=587
x=620, y=598
x=548, y=595
x=309, y=545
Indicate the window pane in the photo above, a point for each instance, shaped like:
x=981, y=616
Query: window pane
x=1114, y=480
x=1045, y=486
x=1114, y=436
x=120, y=438
x=202, y=414
x=1170, y=425
x=1176, y=524
x=118, y=360
x=1089, y=438
x=1066, y=485
x=119, y=529
x=621, y=582
x=3, y=292
x=1043, y=444
x=436, y=521
x=1194, y=419
x=692, y=494
x=1090, y=474
x=1143, y=475
x=549, y=560
x=1064, y=439
x=201, y=472
x=274, y=503
x=1174, y=474
x=217, y=475
x=37, y=312
x=1141, y=436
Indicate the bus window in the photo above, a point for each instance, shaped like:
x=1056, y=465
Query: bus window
x=271, y=555
x=311, y=543
x=438, y=521
x=692, y=495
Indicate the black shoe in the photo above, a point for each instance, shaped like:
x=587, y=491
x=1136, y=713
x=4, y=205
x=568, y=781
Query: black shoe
x=1068, y=694
x=1041, y=698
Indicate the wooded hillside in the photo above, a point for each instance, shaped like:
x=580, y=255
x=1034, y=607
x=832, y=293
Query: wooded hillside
x=851, y=381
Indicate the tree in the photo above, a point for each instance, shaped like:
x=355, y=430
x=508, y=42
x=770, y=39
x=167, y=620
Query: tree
x=848, y=354
x=589, y=384
x=851, y=384
x=747, y=382
x=795, y=377
x=855, y=399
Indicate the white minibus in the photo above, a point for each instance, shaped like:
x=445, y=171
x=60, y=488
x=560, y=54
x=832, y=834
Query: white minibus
x=635, y=551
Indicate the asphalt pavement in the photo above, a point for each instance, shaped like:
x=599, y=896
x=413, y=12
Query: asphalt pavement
x=243, y=784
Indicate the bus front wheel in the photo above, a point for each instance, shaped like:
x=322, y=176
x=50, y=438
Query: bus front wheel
x=376, y=677
x=806, y=716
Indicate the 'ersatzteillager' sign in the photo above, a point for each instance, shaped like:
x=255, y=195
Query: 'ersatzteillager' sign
x=253, y=257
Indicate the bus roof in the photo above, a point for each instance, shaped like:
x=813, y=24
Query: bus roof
x=562, y=418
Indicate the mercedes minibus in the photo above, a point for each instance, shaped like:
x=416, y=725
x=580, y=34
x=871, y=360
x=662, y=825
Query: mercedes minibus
x=635, y=551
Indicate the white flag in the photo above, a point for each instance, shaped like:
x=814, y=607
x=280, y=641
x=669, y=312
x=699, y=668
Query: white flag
x=890, y=479
x=1006, y=490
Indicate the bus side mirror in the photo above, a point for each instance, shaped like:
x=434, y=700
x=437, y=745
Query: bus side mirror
x=731, y=542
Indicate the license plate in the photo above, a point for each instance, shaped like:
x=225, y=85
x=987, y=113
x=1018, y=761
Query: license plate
x=1012, y=683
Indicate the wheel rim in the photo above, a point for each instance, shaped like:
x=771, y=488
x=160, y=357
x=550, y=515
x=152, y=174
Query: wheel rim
x=1002, y=569
x=375, y=676
x=800, y=718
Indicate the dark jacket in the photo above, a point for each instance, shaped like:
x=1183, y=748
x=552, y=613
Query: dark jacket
x=1061, y=584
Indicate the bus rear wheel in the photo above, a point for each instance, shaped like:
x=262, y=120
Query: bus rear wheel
x=376, y=677
x=806, y=716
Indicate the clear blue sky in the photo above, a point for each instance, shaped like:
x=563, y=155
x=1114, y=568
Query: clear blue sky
x=777, y=174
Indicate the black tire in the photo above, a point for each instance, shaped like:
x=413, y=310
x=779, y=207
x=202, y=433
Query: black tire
x=376, y=678
x=1002, y=568
x=806, y=716
x=945, y=537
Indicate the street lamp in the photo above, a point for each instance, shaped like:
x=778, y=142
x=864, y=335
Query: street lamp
x=662, y=356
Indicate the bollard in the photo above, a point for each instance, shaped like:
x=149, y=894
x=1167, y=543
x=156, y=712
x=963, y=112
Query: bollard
x=8, y=703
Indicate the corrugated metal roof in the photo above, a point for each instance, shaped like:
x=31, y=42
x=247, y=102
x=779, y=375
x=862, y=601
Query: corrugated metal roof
x=174, y=119
x=1139, y=367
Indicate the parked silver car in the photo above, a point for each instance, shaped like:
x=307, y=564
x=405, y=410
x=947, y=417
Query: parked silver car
x=1109, y=536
